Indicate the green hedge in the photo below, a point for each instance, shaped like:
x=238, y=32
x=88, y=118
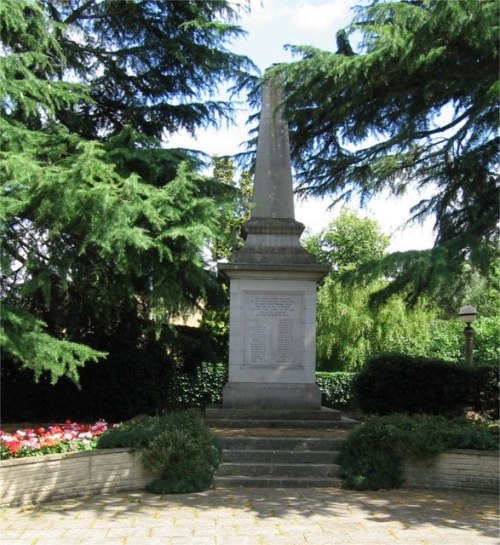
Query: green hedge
x=336, y=389
x=372, y=455
x=205, y=387
x=397, y=383
x=128, y=382
x=201, y=389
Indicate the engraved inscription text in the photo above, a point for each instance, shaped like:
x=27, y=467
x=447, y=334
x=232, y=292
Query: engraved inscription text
x=273, y=328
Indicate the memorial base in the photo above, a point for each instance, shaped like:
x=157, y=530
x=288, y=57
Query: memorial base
x=271, y=395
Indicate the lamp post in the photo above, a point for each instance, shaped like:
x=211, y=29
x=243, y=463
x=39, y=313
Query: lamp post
x=468, y=314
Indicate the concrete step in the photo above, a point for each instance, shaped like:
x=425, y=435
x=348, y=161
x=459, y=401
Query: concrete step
x=217, y=412
x=282, y=443
x=276, y=482
x=277, y=470
x=278, y=448
x=343, y=423
x=280, y=456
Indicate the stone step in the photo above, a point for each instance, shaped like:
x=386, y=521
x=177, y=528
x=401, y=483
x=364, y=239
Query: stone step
x=231, y=469
x=343, y=423
x=278, y=448
x=276, y=482
x=217, y=412
x=280, y=456
x=299, y=444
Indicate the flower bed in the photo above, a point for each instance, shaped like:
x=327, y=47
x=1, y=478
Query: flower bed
x=55, y=439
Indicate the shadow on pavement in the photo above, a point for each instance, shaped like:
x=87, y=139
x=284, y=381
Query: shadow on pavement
x=409, y=507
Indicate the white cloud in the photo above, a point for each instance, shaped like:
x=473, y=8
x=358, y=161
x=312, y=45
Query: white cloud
x=214, y=141
x=318, y=17
x=389, y=212
x=270, y=24
x=267, y=11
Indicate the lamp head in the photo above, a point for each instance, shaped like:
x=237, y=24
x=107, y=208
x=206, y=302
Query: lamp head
x=467, y=314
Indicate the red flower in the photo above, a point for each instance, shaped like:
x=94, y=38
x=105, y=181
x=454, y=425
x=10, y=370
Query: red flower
x=14, y=446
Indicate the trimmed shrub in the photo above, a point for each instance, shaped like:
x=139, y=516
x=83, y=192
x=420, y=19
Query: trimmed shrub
x=205, y=387
x=392, y=383
x=128, y=382
x=201, y=389
x=372, y=455
x=185, y=454
x=336, y=389
x=178, y=446
x=136, y=433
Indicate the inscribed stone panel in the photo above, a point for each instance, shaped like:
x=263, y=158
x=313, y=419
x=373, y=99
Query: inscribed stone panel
x=273, y=328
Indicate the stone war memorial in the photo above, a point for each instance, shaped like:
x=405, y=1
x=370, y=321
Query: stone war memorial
x=272, y=326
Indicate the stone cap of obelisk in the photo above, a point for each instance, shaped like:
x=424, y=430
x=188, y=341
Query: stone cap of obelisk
x=273, y=185
x=272, y=233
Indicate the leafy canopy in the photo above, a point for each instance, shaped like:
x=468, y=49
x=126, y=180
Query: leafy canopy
x=102, y=227
x=414, y=107
x=155, y=65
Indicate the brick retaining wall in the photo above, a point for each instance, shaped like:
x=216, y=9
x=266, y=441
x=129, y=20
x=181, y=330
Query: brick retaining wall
x=468, y=470
x=58, y=476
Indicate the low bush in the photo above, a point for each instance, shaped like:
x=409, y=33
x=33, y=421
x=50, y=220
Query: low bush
x=336, y=389
x=185, y=455
x=372, y=455
x=178, y=446
x=392, y=383
x=136, y=433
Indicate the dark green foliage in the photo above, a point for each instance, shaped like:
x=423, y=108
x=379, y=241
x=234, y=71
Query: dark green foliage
x=130, y=381
x=336, y=389
x=185, y=455
x=391, y=383
x=140, y=58
x=103, y=228
x=200, y=389
x=414, y=107
x=372, y=455
x=179, y=447
x=136, y=433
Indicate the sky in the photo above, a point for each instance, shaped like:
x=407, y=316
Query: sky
x=270, y=25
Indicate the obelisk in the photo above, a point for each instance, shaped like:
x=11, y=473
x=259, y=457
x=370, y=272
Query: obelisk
x=272, y=324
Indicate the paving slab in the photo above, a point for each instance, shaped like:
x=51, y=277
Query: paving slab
x=253, y=516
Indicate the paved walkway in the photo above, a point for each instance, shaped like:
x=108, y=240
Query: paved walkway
x=258, y=517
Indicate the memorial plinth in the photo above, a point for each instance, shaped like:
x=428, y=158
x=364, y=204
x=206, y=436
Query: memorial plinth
x=272, y=324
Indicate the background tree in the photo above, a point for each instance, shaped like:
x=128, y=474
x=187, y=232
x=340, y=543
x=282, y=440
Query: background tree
x=235, y=212
x=414, y=106
x=348, y=242
x=349, y=330
x=102, y=227
x=236, y=208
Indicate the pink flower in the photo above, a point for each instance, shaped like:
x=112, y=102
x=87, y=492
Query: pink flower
x=75, y=435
